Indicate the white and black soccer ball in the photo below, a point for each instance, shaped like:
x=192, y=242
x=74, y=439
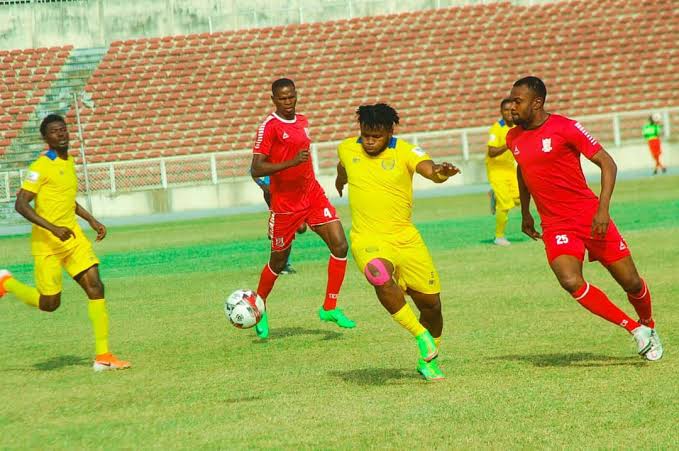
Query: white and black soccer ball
x=244, y=308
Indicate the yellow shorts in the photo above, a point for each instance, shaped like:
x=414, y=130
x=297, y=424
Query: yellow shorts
x=506, y=190
x=75, y=260
x=412, y=262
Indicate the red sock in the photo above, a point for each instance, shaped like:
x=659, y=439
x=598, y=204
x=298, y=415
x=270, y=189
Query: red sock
x=642, y=304
x=266, y=282
x=336, y=269
x=596, y=301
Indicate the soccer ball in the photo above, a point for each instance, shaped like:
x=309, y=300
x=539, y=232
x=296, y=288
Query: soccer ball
x=244, y=308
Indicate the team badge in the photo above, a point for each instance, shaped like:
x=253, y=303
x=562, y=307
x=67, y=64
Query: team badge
x=546, y=145
x=285, y=135
x=279, y=242
x=388, y=165
x=356, y=160
x=516, y=150
x=32, y=176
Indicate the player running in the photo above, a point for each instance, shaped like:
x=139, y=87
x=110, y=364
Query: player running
x=547, y=148
x=501, y=170
x=387, y=247
x=57, y=240
x=281, y=151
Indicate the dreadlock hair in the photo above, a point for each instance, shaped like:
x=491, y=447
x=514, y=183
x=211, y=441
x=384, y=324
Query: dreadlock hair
x=534, y=84
x=281, y=83
x=377, y=117
x=48, y=120
x=504, y=102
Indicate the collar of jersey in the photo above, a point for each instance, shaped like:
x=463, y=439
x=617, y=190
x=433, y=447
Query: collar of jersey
x=51, y=154
x=391, y=145
x=287, y=121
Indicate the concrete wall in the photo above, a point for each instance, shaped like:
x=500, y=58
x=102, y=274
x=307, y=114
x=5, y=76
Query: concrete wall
x=96, y=23
x=243, y=192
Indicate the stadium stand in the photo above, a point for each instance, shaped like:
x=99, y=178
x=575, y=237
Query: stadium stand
x=442, y=69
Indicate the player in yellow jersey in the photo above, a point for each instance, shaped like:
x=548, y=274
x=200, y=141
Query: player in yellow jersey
x=57, y=240
x=501, y=169
x=386, y=246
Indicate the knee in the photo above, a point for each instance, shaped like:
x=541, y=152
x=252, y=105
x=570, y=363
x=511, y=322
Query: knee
x=50, y=303
x=340, y=249
x=571, y=283
x=377, y=274
x=277, y=263
x=633, y=285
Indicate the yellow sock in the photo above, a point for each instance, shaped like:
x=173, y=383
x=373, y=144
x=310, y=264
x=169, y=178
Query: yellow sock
x=97, y=313
x=437, y=340
x=406, y=318
x=501, y=218
x=25, y=293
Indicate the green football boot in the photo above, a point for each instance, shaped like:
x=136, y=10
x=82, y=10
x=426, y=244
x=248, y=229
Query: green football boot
x=336, y=316
x=262, y=327
x=430, y=371
x=427, y=346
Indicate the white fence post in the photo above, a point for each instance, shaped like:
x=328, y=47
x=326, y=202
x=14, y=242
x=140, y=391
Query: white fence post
x=666, y=124
x=163, y=174
x=314, y=157
x=465, y=145
x=112, y=177
x=616, y=130
x=213, y=169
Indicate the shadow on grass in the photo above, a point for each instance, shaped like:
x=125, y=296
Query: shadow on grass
x=63, y=361
x=242, y=399
x=288, y=332
x=375, y=376
x=582, y=359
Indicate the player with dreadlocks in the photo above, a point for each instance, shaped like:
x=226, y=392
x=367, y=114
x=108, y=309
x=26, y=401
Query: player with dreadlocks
x=386, y=246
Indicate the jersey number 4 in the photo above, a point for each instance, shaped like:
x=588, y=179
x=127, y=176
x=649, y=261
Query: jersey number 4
x=326, y=213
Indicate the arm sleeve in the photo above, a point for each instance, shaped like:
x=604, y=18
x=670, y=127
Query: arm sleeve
x=35, y=178
x=414, y=156
x=581, y=140
x=494, y=136
x=264, y=139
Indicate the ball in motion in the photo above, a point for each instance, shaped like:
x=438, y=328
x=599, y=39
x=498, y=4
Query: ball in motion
x=244, y=308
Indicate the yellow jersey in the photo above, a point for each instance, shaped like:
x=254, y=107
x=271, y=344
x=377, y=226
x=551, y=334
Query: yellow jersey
x=497, y=137
x=55, y=185
x=381, y=187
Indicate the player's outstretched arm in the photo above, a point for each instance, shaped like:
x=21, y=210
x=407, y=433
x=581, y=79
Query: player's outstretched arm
x=496, y=151
x=261, y=166
x=527, y=221
x=341, y=179
x=91, y=220
x=609, y=172
x=24, y=208
x=437, y=173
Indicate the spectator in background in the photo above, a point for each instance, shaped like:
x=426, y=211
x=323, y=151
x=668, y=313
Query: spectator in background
x=652, y=131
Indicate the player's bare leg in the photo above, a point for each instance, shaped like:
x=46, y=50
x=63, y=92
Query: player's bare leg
x=429, y=306
x=332, y=234
x=625, y=273
x=379, y=273
x=90, y=281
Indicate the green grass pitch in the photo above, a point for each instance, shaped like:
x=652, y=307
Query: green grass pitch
x=527, y=367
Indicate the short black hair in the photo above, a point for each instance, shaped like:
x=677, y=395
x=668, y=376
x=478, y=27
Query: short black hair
x=505, y=101
x=378, y=116
x=534, y=84
x=48, y=120
x=281, y=83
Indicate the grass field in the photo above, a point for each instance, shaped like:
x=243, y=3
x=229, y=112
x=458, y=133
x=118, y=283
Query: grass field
x=527, y=367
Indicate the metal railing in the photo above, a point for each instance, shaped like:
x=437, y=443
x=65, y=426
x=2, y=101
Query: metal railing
x=458, y=145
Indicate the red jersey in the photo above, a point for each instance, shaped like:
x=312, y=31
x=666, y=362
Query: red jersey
x=549, y=159
x=292, y=189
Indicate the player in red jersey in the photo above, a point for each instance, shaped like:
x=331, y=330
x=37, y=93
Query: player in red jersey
x=281, y=151
x=547, y=148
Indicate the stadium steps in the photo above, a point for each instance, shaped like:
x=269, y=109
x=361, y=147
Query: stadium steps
x=58, y=98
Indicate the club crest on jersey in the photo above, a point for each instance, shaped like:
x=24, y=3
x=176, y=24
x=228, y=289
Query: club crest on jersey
x=356, y=160
x=279, y=241
x=388, y=165
x=516, y=150
x=546, y=145
x=308, y=134
x=285, y=135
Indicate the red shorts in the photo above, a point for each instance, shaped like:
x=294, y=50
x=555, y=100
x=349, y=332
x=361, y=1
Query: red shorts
x=654, y=147
x=283, y=226
x=573, y=239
